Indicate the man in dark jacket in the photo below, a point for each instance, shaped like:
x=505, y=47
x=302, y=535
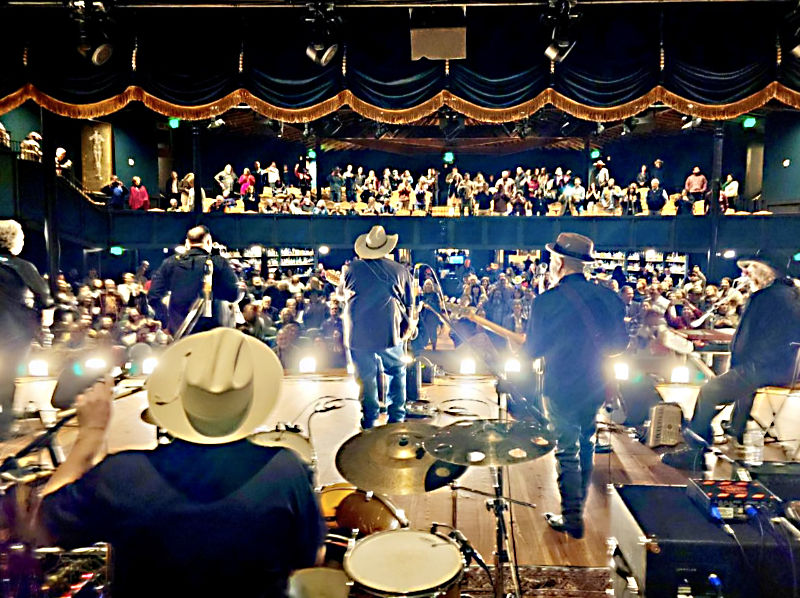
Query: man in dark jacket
x=378, y=313
x=575, y=327
x=762, y=354
x=19, y=323
x=181, y=276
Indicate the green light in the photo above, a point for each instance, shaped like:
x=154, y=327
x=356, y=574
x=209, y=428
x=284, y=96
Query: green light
x=595, y=154
x=796, y=257
x=311, y=154
x=449, y=157
x=116, y=250
x=174, y=123
x=749, y=122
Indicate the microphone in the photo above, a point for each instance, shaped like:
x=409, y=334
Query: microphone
x=695, y=437
x=469, y=551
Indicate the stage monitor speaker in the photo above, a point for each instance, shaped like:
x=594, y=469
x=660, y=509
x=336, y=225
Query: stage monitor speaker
x=428, y=370
x=438, y=33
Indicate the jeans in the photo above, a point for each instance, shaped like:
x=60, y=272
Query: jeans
x=574, y=428
x=738, y=386
x=366, y=372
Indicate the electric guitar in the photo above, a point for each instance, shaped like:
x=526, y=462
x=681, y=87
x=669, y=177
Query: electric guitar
x=409, y=328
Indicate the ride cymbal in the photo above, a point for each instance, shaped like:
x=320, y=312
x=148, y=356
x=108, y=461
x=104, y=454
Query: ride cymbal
x=490, y=442
x=391, y=459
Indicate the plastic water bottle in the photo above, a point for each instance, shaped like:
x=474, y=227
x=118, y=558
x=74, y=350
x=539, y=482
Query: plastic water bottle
x=753, y=444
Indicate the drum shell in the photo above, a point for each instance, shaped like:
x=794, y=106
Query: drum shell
x=368, y=513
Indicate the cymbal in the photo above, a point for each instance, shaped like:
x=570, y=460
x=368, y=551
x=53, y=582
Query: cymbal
x=391, y=459
x=490, y=442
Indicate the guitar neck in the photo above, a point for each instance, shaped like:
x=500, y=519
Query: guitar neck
x=515, y=337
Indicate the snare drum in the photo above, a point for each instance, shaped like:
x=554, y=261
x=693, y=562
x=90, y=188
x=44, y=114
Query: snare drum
x=405, y=563
x=318, y=582
x=294, y=441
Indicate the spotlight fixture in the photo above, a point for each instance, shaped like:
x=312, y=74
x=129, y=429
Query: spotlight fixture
x=599, y=129
x=216, y=123
x=450, y=123
x=93, y=41
x=324, y=24
x=691, y=123
x=561, y=17
x=523, y=129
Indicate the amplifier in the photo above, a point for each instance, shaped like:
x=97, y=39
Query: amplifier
x=730, y=498
x=665, y=425
x=669, y=548
x=781, y=477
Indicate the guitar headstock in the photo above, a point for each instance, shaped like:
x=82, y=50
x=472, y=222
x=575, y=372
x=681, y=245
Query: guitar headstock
x=332, y=276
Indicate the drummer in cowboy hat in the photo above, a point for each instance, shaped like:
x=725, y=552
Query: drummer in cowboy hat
x=209, y=514
x=575, y=326
x=378, y=318
x=762, y=354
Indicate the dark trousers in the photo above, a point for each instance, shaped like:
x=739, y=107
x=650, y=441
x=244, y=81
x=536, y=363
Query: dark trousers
x=574, y=428
x=738, y=386
x=14, y=354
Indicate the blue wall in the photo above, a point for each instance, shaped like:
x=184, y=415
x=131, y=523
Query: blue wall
x=21, y=121
x=782, y=185
x=137, y=141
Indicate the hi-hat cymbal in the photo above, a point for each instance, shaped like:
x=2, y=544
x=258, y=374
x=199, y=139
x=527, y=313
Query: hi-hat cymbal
x=391, y=459
x=490, y=442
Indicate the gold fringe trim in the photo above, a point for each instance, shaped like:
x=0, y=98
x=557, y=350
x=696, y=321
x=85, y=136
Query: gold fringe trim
x=773, y=91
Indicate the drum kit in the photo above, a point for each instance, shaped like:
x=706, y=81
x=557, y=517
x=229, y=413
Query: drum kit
x=372, y=551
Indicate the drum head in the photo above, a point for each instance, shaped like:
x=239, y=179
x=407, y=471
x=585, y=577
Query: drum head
x=330, y=497
x=294, y=441
x=404, y=562
x=318, y=582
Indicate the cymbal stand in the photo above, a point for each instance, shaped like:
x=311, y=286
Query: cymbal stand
x=499, y=505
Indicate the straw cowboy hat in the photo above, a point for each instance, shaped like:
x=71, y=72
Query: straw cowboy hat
x=214, y=387
x=375, y=244
x=574, y=246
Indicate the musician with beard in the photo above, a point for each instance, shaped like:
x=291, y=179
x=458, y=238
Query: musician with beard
x=762, y=354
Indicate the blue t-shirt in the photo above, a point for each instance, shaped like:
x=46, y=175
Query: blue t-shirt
x=194, y=520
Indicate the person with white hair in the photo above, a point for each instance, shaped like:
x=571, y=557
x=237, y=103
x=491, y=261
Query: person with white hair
x=63, y=164
x=19, y=323
x=192, y=517
x=5, y=138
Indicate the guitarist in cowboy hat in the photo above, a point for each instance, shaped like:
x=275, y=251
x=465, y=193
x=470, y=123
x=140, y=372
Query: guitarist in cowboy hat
x=377, y=320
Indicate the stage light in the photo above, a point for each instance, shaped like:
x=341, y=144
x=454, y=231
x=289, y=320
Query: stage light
x=729, y=254
x=749, y=122
x=174, y=123
x=216, y=123
x=625, y=129
x=512, y=365
x=307, y=365
x=149, y=365
x=38, y=367
x=116, y=250
x=321, y=53
x=786, y=162
x=467, y=366
x=98, y=52
x=599, y=131
x=95, y=363
x=324, y=250
x=621, y=370
x=692, y=122
x=558, y=50
x=595, y=154
x=131, y=162
x=680, y=375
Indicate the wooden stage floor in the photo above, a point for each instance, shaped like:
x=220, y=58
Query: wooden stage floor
x=535, y=481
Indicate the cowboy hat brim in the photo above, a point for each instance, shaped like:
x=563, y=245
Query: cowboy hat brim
x=165, y=403
x=584, y=257
x=365, y=252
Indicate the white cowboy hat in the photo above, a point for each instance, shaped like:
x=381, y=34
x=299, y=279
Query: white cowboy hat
x=214, y=387
x=375, y=244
